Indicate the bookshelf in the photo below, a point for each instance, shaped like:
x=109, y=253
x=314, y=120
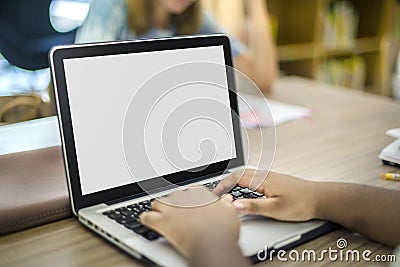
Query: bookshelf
x=345, y=42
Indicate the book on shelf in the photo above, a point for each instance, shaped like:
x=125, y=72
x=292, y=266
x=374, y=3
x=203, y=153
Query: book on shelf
x=340, y=26
x=349, y=72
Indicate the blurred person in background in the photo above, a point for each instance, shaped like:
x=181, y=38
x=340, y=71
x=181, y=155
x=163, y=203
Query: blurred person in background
x=112, y=20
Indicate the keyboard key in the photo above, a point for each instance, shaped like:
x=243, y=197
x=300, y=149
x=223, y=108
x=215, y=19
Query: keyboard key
x=237, y=188
x=145, y=203
x=139, y=209
x=124, y=220
x=211, y=185
x=132, y=225
x=246, y=191
x=133, y=206
x=236, y=194
x=120, y=209
x=114, y=216
x=151, y=235
x=207, y=185
x=258, y=194
x=128, y=212
x=141, y=230
x=251, y=195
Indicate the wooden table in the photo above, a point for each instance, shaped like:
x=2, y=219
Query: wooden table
x=340, y=142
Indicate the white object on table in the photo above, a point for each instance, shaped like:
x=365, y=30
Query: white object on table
x=29, y=135
x=254, y=111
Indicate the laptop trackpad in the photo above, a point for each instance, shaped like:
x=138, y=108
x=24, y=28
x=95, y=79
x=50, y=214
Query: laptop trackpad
x=257, y=232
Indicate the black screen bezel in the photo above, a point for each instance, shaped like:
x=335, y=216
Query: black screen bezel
x=57, y=56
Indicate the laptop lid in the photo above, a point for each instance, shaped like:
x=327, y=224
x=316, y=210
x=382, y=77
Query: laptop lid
x=102, y=99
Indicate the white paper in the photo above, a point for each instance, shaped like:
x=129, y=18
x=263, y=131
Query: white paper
x=254, y=112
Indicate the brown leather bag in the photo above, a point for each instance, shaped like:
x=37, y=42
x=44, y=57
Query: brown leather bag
x=33, y=189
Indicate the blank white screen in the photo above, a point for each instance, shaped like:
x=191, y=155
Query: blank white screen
x=100, y=89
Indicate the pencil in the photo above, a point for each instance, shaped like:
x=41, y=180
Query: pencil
x=391, y=176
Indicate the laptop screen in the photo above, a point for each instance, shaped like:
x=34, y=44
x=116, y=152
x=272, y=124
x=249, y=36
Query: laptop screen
x=101, y=91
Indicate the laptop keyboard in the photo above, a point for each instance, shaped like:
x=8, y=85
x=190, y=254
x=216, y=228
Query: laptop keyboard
x=129, y=216
x=237, y=192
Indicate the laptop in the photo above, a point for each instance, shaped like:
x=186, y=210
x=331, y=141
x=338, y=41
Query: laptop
x=121, y=106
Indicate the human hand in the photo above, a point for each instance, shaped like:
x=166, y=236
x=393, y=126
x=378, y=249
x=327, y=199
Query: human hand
x=287, y=198
x=191, y=217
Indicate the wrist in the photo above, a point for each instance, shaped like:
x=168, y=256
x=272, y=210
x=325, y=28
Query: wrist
x=219, y=251
x=319, y=195
x=211, y=239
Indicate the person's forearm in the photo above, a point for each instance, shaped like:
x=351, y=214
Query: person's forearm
x=261, y=45
x=211, y=251
x=371, y=211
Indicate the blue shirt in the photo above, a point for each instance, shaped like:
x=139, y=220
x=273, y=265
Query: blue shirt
x=107, y=20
